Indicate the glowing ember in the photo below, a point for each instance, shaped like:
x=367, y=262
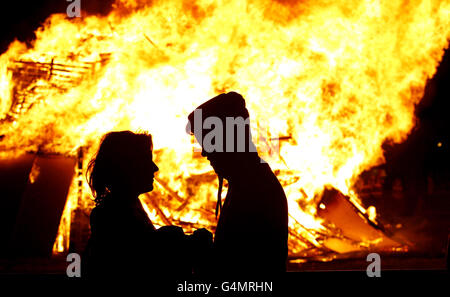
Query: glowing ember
x=326, y=82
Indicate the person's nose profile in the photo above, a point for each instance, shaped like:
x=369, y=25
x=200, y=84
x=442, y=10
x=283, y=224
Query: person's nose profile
x=155, y=167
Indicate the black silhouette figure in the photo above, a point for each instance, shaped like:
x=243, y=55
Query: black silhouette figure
x=252, y=231
x=123, y=240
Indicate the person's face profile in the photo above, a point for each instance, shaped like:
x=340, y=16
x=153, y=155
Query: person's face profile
x=211, y=158
x=219, y=162
x=145, y=172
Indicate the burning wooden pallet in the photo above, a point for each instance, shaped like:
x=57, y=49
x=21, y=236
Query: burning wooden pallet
x=34, y=80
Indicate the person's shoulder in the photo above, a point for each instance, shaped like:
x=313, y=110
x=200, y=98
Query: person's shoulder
x=103, y=213
x=267, y=177
x=271, y=191
x=97, y=214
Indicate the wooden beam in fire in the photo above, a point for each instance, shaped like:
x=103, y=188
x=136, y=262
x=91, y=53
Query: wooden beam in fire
x=33, y=80
x=80, y=224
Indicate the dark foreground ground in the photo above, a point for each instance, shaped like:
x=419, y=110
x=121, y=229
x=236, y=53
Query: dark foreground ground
x=402, y=273
x=423, y=266
x=427, y=232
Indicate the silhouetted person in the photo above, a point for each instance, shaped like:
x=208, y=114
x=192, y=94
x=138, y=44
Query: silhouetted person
x=123, y=240
x=252, y=230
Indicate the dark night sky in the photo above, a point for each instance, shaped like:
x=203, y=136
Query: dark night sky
x=21, y=18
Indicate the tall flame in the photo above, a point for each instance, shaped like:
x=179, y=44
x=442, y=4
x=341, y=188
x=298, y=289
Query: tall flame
x=338, y=78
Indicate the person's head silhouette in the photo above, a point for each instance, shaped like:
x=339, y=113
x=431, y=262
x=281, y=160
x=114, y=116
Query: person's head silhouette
x=222, y=127
x=123, y=166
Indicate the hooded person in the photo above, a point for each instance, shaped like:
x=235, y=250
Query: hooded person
x=252, y=230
